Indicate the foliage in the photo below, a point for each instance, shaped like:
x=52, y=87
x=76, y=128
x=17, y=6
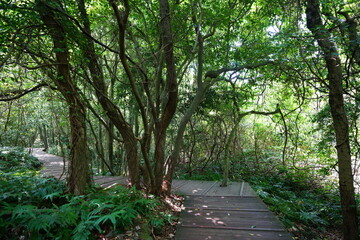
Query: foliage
x=234, y=33
x=204, y=175
x=39, y=208
x=305, y=208
x=14, y=159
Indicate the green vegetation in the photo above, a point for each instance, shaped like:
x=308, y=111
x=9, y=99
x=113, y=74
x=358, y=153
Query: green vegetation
x=204, y=175
x=158, y=89
x=310, y=209
x=17, y=160
x=307, y=210
x=39, y=208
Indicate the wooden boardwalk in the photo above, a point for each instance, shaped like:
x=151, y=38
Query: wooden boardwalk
x=210, y=212
x=53, y=166
x=228, y=217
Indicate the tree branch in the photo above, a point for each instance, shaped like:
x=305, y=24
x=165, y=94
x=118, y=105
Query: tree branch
x=82, y=29
x=7, y=96
x=216, y=73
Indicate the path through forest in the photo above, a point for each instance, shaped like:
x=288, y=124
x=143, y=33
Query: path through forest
x=209, y=212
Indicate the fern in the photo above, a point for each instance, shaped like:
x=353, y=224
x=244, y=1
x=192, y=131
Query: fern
x=44, y=221
x=38, y=208
x=101, y=208
x=112, y=217
x=50, y=196
x=67, y=215
x=23, y=212
x=82, y=230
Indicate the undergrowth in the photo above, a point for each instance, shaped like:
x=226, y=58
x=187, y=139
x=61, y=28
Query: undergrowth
x=203, y=175
x=16, y=159
x=39, y=208
x=308, y=210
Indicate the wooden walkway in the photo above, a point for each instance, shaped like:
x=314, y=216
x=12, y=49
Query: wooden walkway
x=210, y=212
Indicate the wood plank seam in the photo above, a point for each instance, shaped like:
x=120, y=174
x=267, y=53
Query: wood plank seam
x=183, y=184
x=209, y=188
x=242, y=188
x=235, y=228
x=228, y=209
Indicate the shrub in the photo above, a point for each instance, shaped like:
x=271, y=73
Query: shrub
x=305, y=209
x=39, y=208
x=18, y=160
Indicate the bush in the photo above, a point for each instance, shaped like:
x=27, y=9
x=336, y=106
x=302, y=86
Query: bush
x=202, y=175
x=39, y=208
x=18, y=160
x=304, y=208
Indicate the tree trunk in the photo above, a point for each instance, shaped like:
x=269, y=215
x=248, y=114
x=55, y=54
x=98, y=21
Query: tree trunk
x=227, y=157
x=79, y=170
x=172, y=96
x=114, y=114
x=110, y=146
x=6, y=124
x=340, y=121
x=101, y=148
x=174, y=157
x=44, y=136
x=200, y=93
x=240, y=116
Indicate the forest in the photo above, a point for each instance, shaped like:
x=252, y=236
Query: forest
x=262, y=91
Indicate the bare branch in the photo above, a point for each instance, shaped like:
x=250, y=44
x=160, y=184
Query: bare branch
x=216, y=73
x=8, y=96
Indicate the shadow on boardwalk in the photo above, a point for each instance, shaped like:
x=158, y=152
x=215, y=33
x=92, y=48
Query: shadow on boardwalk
x=210, y=212
x=233, y=212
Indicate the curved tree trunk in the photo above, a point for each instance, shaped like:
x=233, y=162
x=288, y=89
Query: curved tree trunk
x=227, y=157
x=79, y=171
x=112, y=111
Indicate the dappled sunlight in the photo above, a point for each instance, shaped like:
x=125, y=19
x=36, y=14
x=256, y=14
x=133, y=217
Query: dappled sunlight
x=216, y=221
x=197, y=190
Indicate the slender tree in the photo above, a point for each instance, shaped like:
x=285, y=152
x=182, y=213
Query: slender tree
x=339, y=117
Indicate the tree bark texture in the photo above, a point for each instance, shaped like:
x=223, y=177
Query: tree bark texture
x=340, y=120
x=200, y=93
x=172, y=95
x=79, y=170
x=112, y=111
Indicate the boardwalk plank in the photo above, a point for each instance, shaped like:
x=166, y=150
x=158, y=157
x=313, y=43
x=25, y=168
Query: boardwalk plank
x=225, y=202
x=176, y=184
x=109, y=181
x=225, y=234
x=247, y=190
x=259, y=220
x=195, y=187
x=233, y=189
x=221, y=213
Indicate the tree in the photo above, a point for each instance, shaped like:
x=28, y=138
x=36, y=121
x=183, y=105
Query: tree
x=79, y=170
x=340, y=120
